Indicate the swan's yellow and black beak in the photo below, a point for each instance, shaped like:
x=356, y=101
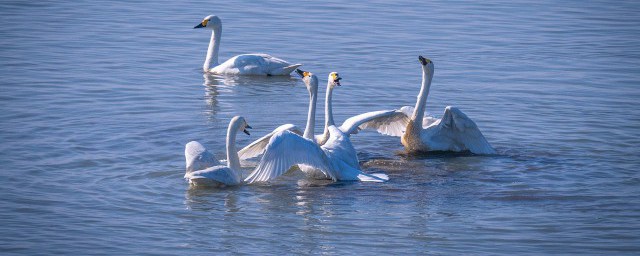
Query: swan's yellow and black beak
x=202, y=24
x=302, y=73
x=245, y=129
x=336, y=79
x=424, y=61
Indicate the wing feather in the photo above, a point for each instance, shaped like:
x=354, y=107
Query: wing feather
x=465, y=131
x=258, y=146
x=387, y=122
x=286, y=149
x=427, y=120
x=198, y=157
x=219, y=173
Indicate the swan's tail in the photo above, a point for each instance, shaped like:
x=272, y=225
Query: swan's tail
x=288, y=69
x=375, y=177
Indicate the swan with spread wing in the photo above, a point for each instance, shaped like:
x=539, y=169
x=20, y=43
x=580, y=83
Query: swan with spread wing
x=334, y=159
x=453, y=132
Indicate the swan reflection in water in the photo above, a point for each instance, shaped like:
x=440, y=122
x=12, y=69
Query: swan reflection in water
x=214, y=85
x=206, y=199
x=262, y=81
x=211, y=92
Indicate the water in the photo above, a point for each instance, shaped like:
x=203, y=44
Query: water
x=98, y=99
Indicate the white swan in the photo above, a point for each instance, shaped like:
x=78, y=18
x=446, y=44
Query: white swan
x=336, y=159
x=204, y=169
x=244, y=64
x=453, y=132
x=258, y=147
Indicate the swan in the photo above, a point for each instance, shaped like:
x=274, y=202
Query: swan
x=258, y=147
x=335, y=159
x=204, y=169
x=453, y=132
x=244, y=64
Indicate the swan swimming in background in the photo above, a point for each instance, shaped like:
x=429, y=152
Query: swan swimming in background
x=244, y=64
x=204, y=169
x=453, y=132
x=336, y=159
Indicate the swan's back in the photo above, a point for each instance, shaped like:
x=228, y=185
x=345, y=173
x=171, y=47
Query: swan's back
x=344, y=158
x=214, y=176
x=339, y=147
x=255, y=64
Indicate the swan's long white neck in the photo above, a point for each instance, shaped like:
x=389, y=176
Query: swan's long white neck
x=418, y=112
x=214, y=46
x=233, y=161
x=328, y=111
x=311, y=116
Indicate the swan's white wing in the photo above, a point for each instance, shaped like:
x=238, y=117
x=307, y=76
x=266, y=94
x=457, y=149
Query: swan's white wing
x=286, y=149
x=349, y=173
x=257, y=147
x=220, y=173
x=339, y=147
x=275, y=66
x=387, y=122
x=198, y=157
x=255, y=64
x=427, y=120
x=344, y=158
x=464, y=131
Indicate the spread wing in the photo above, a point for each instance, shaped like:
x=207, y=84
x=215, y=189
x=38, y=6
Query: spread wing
x=257, y=147
x=198, y=157
x=286, y=149
x=388, y=122
x=464, y=131
x=427, y=120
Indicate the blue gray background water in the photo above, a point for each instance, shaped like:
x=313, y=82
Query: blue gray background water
x=98, y=99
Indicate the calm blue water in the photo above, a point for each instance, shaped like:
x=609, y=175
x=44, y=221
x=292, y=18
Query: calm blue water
x=98, y=99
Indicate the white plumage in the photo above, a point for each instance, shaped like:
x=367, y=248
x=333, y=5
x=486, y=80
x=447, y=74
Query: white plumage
x=258, y=146
x=198, y=157
x=334, y=157
x=204, y=169
x=244, y=64
x=453, y=132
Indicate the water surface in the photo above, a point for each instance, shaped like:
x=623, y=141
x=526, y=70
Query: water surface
x=98, y=99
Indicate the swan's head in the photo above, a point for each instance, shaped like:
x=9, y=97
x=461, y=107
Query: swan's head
x=210, y=22
x=334, y=79
x=241, y=124
x=427, y=64
x=309, y=79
